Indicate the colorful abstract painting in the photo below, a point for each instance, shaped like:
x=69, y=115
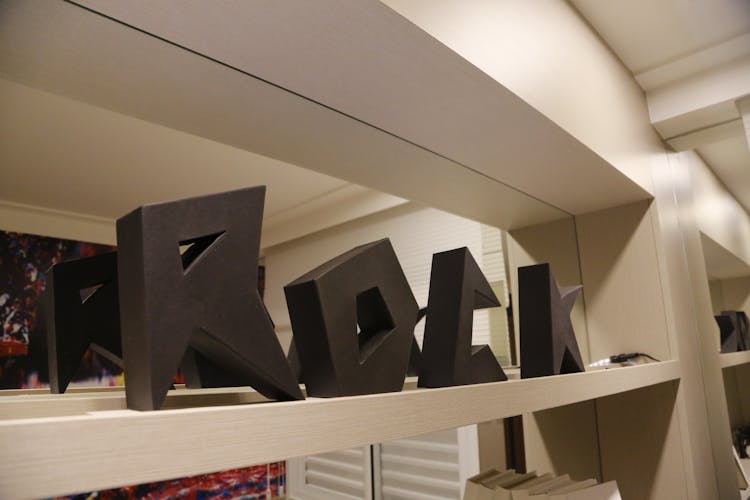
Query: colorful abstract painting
x=24, y=261
x=259, y=482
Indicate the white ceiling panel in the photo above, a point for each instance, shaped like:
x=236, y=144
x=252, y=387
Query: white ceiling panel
x=650, y=33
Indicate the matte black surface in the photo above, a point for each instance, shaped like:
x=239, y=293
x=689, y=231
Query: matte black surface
x=548, y=342
x=744, y=324
x=730, y=341
x=415, y=353
x=740, y=323
x=734, y=331
x=82, y=311
x=457, y=288
x=205, y=298
x=515, y=450
x=200, y=372
x=364, y=287
x=411, y=371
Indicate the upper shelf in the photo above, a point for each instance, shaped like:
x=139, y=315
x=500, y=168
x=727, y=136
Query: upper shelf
x=93, y=451
x=350, y=89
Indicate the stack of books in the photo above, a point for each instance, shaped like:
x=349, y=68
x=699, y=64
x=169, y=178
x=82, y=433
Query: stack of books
x=511, y=485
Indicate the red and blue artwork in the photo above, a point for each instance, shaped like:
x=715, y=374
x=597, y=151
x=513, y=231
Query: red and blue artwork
x=24, y=261
x=259, y=482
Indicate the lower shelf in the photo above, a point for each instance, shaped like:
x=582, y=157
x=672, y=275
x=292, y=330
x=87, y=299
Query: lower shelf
x=104, y=449
x=729, y=359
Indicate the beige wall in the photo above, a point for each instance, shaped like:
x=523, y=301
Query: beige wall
x=718, y=214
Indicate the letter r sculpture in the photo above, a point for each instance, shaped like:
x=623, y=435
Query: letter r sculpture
x=188, y=279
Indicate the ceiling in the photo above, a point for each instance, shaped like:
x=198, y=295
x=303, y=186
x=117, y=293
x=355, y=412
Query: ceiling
x=692, y=59
x=646, y=34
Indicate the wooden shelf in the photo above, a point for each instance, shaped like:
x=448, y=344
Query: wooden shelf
x=428, y=119
x=104, y=449
x=38, y=403
x=730, y=359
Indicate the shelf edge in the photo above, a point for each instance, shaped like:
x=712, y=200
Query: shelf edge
x=54, y=456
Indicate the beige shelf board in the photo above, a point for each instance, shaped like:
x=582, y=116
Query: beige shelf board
x=730, y=359
x=70, y=390
x=72, y=454
x=413, y=118
x=38, y=403
x=42, y=404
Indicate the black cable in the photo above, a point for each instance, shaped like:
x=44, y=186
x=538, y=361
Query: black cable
x=621, y=358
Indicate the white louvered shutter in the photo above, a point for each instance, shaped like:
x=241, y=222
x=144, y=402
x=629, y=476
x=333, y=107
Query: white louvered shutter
x=422, y=467
x=339, y=475
x=429, y=467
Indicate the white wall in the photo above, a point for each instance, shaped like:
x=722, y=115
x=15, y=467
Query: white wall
x=719, y=215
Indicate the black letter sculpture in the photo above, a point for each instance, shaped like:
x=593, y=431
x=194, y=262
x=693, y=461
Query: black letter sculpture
x=729, y=335
x=548, y=343
x=744, y=329
x=204, y=298
x=414, y=354
x=734, y=331
x=457, y=288
x=367, y=287
x=200, y=372
x=82, y=312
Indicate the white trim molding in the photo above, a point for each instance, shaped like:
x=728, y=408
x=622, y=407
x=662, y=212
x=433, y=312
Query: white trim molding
x=19, y=217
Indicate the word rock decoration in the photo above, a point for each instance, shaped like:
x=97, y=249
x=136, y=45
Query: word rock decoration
x=457, y=288
x=548, y=342
x=181, y=292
